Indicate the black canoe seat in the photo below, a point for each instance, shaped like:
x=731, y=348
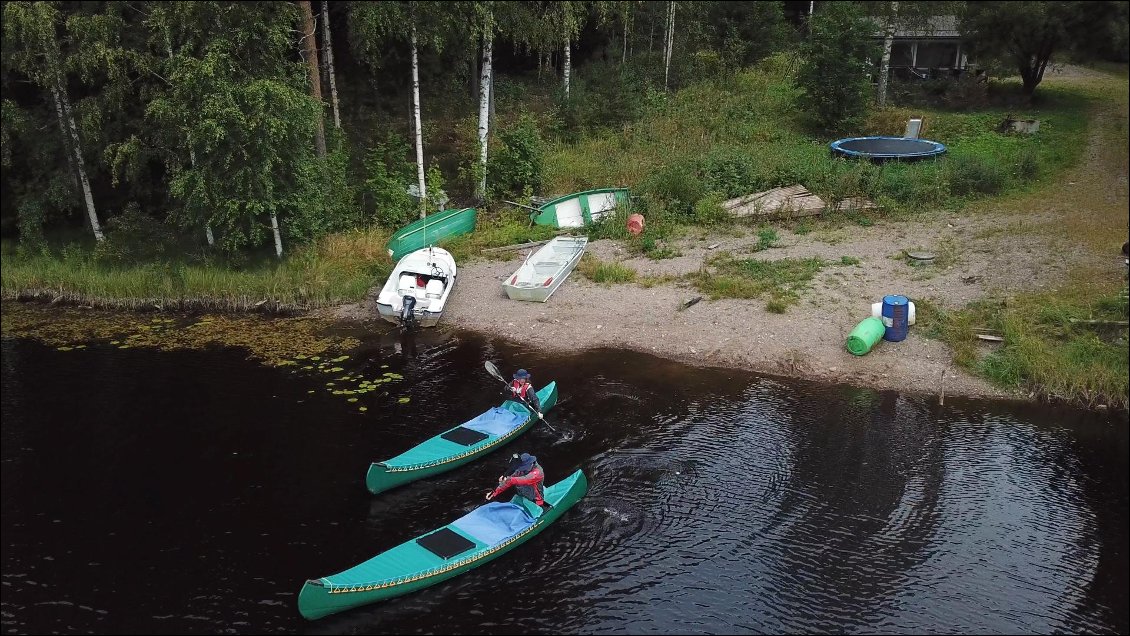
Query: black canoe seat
x=465, y=436
x=445, y=543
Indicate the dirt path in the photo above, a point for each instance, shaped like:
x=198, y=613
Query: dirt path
x=985, y=252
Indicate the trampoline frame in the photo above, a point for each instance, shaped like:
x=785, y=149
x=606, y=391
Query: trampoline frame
x=934, y=149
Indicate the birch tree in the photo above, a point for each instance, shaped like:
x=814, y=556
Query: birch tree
x=328, y=43
x=668, y=45
x=485, y=93
x=888, y=42
x=32, y=28
x=417, y=132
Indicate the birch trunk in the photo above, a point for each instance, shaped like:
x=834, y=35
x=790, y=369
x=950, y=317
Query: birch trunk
x=568, y=66
x=624, y=56
x=278, y=236
x=330, y=61
x=310, y=46
x=66, y=138
x=669, y=45
x=475, y=78
x=484, y=113
x=888, y=42
x=207, y=225
x=80, y=165
x=416, y=122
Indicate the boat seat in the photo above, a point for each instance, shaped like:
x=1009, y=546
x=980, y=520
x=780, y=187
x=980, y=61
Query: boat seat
x=407, y=285
x=434, y=288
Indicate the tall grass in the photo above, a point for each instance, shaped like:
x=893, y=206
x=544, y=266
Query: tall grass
x=740, y=134
x=1049, y=347
x=339, y=268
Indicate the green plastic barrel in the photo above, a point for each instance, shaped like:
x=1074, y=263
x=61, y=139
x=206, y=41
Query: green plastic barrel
x=865, y=335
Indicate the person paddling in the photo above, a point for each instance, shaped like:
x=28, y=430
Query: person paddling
x=526, y=476
x=523, y=390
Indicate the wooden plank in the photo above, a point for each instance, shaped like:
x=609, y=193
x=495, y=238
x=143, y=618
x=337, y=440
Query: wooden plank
x=790, y=201
x=510, y=248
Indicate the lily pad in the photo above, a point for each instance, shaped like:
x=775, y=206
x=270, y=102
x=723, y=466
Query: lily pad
x=362, y=408
x=352, y=400
x=404, y=400
x=65, y=348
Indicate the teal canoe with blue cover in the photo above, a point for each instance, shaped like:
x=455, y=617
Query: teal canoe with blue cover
x=477, y=537
x=459, y=445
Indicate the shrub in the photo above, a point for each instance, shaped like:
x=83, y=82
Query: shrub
x=133, y=237
x=708, y=210
x=675, y=188
x=516, y=166
x=974, y=174
x=388, y=172
x=833, y=77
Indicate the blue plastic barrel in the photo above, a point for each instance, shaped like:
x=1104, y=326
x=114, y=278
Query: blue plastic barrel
x=896, y=317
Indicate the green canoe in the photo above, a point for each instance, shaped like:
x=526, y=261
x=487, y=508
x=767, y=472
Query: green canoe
x=483, y=534
x=457, y=446
x=581, y=208
x=431, y=230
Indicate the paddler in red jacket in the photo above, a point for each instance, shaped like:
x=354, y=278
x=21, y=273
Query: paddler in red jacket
x=523, y=391
x=525, y=474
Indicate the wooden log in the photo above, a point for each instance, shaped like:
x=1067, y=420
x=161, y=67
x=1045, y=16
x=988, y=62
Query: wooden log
x=510, y=248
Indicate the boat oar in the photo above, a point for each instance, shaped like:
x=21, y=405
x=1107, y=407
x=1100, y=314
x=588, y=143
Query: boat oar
x=493, y=370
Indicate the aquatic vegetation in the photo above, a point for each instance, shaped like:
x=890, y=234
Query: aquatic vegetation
x=273, y=341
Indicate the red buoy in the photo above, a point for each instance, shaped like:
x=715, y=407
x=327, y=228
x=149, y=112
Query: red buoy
x=635, y=224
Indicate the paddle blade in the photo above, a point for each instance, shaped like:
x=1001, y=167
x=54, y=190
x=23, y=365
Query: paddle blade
x=493, y=370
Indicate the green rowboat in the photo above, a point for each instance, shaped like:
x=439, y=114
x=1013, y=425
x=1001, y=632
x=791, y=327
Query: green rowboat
x=581, y=208
x=459, y=445
x=430, y=230
x=483, y=534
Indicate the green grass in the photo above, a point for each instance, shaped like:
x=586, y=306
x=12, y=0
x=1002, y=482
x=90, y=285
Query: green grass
x=1044, y=351
x=340, y=268
x=740, y=134
x=781, y=280
x=599, y=271
x=849, y=260
x=497, y=229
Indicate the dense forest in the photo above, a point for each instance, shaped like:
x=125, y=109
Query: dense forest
x=254, y=126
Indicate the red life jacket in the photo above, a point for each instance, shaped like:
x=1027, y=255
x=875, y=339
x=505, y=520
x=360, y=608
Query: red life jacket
x=520, y=388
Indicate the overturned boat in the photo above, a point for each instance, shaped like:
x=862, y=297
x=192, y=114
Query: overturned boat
x=418, y=288
x=581, y=208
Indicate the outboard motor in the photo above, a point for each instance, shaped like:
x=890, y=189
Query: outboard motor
x=407, y=318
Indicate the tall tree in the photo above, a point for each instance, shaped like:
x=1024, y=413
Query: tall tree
x=310, y=48
x=32, y=28
x=888, y=42
x=485, y=93
x=833, y=77
x=416, y=127
x=328, y=43
x=234, y=96
x=669, y=42
x=1029, y=34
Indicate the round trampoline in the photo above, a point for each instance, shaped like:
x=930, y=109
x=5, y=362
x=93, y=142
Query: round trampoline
x=886, y=148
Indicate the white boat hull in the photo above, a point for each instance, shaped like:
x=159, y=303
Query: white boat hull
x=427, y=276
x=545, y=270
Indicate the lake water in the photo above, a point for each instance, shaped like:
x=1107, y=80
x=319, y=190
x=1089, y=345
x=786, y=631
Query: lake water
x=195, y=491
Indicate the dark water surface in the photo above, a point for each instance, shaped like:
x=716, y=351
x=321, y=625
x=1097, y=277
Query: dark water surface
x=194, y=492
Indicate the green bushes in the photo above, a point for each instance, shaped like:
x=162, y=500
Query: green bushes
x=515, y=168
x=973, y=174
